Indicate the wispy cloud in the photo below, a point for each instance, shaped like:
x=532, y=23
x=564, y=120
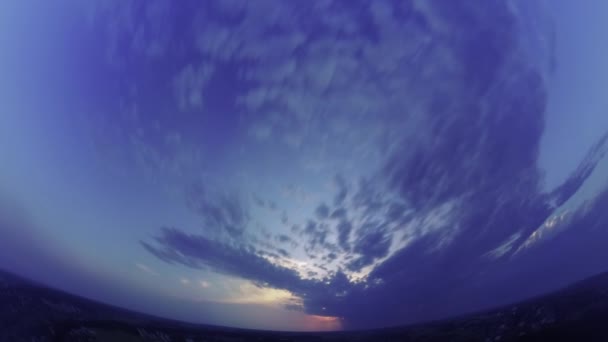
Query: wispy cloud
x=146, y=269
x=175, y=246
x=189, y=85
x=223, y=213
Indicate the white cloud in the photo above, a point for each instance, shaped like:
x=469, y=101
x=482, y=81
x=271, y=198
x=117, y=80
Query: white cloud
x=505, y=247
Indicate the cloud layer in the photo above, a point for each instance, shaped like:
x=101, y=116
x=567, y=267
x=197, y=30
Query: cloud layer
x=355, y=154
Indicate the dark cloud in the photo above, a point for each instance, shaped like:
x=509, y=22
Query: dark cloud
x=344, y=229
x=322, y=211
x=342, y=190
x=369, y=198
x=284, y=218
x=309, y=253
x=477, y=152
x=318, y=238
x=224, y=213
x=268, y=248
x=339, y=213
x=196, y=251
x=296, y=229
x=177, y=247
x=316, y=235
x=283, y=252
x=283, y=238
x=294, y=305
x=370, y=246
x=480, y=154
x=396, y=212
x=310, y=228
x=483, y=159
x=426, y=286
x=331, y=256
x=476, y=160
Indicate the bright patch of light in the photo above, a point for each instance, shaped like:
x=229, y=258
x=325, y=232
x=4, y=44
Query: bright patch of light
x=251, y=294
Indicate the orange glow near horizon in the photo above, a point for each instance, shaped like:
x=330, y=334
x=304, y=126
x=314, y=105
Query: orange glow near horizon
x=322, y=323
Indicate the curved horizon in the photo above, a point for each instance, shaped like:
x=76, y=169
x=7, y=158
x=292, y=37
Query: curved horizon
x=320, y=166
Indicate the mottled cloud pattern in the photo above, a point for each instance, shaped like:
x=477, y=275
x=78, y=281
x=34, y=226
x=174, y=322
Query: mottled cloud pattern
x=199, y=252
x=357, y=154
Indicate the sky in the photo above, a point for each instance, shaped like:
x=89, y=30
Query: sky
x=297, y=166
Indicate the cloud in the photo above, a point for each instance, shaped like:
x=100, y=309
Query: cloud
x=145, y=32
x=576, y=252
x=339, y=213
x=225, y=213
x=177, y=247
x=188, y=86
x=285, y=239
x=284, y=218
x=322, y=211
x=146, y=269
x=369, y=198
x=283, y=252
x=344, y=229
x=506, y=247
x=458, y=156
x=258, y=201
x=196, y=251
x=272, y=205
x=582, y=173
x=462, y=190
x=317, y=234
x=260, y=132
x=396, y=212
x=372, y=245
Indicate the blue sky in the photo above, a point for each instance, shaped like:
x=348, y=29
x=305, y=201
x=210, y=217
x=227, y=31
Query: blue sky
x=577, y=105
x=302, y=167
